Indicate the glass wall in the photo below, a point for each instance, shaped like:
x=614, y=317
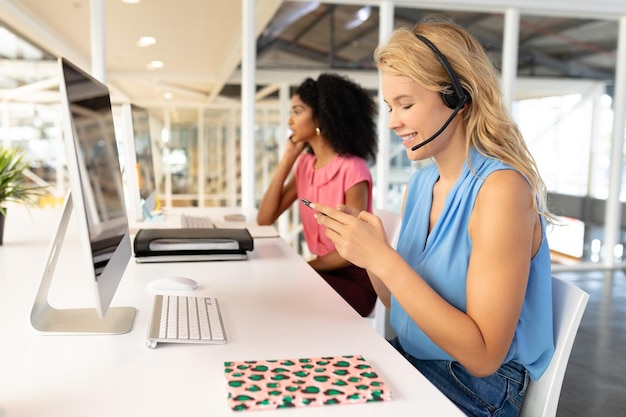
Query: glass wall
x=566, y=126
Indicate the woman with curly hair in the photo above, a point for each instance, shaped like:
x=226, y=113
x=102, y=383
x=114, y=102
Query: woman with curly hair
x=333, y=136
x=469, y=285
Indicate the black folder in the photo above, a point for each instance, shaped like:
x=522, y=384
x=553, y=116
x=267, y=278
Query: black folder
x=184, y=245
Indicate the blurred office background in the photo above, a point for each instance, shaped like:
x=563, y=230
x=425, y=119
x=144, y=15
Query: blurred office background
x=186, y=63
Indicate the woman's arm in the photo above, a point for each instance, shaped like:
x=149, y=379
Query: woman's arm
x=280, y=194
x=503, y=242
x=379, y=286
x=357, y=198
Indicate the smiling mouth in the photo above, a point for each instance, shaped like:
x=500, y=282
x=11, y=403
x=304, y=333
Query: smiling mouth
x=406, y=138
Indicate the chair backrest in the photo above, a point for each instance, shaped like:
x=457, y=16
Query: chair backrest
x=569, y=303
x=379, y=318
x=391, y=220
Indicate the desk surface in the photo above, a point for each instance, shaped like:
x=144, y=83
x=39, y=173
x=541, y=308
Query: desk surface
x=274, y=306
x=171, y=218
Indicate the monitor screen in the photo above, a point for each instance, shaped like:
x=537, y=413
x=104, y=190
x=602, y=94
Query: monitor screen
x=96, y=198
x=140, y=161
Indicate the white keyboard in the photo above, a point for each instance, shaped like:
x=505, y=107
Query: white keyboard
x=188, y=221
x=184, y=319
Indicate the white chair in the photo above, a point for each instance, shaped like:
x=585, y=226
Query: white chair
x=569, y=303
x=391, y=221
x=379, y=318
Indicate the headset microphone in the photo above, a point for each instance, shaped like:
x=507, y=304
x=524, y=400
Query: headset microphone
x=444, y=126
x=456, y=99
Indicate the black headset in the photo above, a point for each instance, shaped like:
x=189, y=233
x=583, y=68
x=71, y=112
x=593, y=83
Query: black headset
x=455, y=99
x=459, y=96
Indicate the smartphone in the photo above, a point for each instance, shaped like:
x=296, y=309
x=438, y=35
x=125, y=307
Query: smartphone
x=308, y=204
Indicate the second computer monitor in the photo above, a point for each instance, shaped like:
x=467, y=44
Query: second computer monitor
x=140, y=161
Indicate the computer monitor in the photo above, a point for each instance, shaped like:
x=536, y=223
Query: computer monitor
x=96, y=198
x=140, y=171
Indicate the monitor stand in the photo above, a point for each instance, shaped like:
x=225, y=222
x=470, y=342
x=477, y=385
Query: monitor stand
x=85, y=321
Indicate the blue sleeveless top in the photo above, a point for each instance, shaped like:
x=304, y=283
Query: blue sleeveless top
x=441, y=258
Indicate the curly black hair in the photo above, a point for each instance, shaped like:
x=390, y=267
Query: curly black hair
x=345, y=113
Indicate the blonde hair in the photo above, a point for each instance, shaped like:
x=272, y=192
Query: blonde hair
x=489, y=128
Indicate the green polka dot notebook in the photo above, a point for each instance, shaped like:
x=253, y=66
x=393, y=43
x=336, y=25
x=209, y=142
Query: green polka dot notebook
x=305, y=382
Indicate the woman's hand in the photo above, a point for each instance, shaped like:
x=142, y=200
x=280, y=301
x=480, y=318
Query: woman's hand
x=293, y=149
x=359, y=237
x=281, y=192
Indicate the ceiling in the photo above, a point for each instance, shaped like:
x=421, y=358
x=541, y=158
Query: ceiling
x=200, y=43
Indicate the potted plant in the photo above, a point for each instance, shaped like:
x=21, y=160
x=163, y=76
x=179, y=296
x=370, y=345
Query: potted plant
x=14, y=186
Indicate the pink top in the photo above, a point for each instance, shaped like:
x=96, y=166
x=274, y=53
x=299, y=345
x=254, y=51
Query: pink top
x=328, y=186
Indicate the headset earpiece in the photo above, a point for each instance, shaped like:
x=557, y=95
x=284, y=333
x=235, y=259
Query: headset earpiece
x=455, y=94
x=450, y=99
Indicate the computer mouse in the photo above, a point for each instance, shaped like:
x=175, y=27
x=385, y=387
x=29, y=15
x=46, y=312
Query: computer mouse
x=235, y=217
x=172, y=283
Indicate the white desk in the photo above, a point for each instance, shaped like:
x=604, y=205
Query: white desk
x=171, y=218
x=274, y=306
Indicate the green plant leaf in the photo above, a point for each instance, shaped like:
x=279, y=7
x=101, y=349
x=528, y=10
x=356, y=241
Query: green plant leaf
x=14, y=185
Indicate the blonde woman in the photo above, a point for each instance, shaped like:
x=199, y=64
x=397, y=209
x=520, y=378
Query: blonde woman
x=469, y=285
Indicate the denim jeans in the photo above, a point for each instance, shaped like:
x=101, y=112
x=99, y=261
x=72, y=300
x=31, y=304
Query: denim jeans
x=497, y=395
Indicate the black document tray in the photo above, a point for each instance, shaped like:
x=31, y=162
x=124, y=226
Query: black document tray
x=163, y=245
